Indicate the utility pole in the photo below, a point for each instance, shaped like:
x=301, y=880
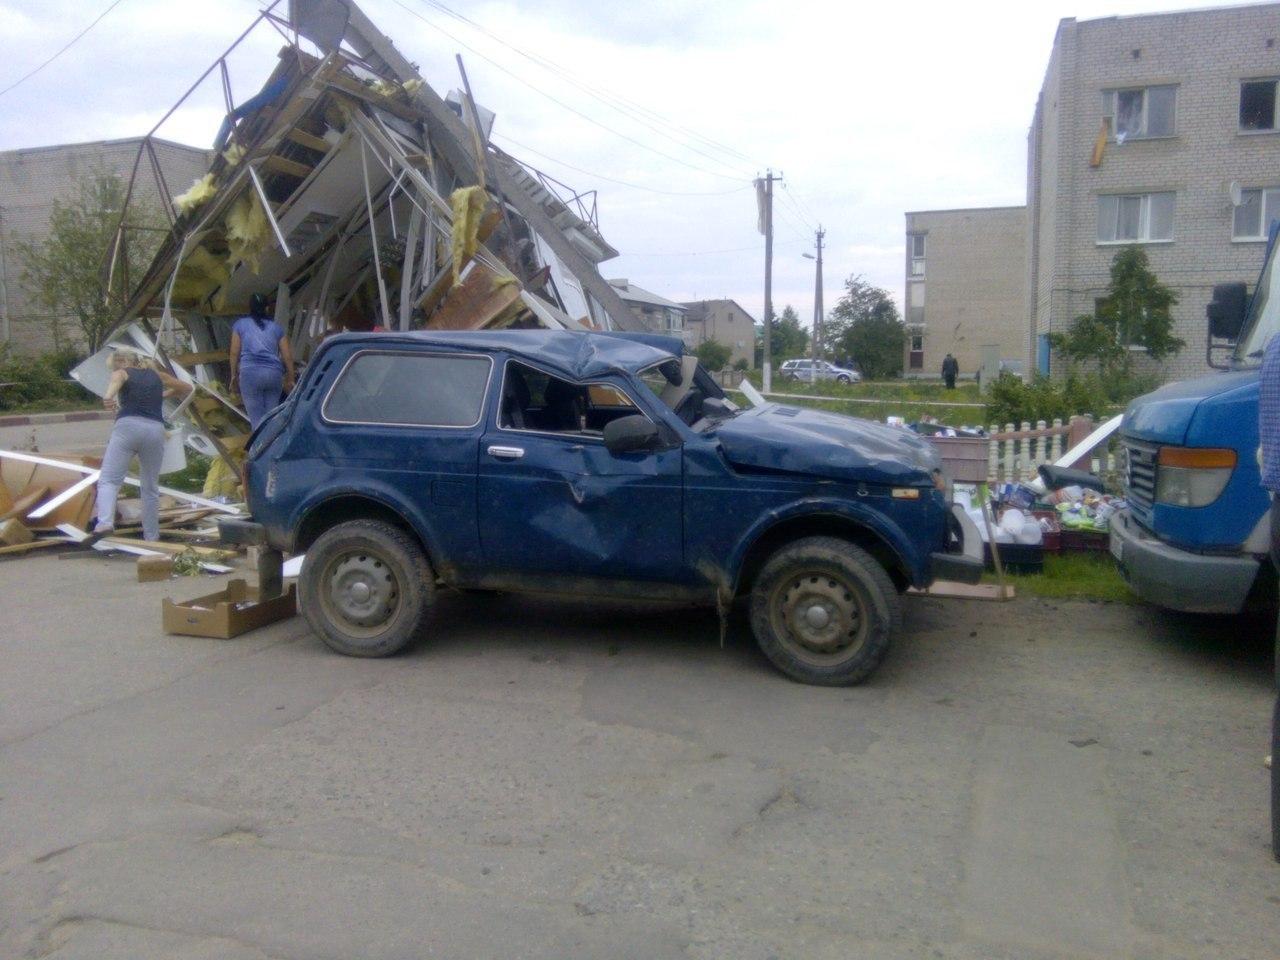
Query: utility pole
x=816, y=345
x=764, y=197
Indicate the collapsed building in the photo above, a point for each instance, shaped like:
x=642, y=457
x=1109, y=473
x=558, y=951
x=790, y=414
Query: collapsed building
x=353, y=196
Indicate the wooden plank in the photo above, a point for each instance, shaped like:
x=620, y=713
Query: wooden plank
x=308, y=140
x=13, y=533
x=291, y=168
x=21, y=549
x=476, y=302
x=367, y=94
x=208, y=553
x=951, y=589
x=192, y=359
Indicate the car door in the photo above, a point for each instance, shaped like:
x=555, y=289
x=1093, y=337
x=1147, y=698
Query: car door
x=403, y=427
x=554, y=502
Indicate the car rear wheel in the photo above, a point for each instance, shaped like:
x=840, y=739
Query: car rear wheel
x=843, y=378
x=824, y=610
x=366, y=588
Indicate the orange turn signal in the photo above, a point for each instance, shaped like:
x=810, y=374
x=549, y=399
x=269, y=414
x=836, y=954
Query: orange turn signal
x=1198, y=458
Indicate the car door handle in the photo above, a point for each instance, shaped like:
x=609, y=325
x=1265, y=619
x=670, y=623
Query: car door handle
x=506, y=453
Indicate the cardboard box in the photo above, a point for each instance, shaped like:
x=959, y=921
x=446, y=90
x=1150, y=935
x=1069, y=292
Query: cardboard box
x=227, y=613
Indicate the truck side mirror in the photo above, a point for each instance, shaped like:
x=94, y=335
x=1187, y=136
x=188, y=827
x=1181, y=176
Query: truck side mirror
x=629, y=434
x=1226, y=311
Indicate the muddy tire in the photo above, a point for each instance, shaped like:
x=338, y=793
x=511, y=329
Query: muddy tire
x=366, y=588
x=824, y=610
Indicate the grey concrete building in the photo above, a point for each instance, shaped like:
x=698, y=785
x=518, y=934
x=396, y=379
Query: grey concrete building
x=30, y=181
x=724, y=321
x=965, y=288
x=1160, y=130
x=658, y=313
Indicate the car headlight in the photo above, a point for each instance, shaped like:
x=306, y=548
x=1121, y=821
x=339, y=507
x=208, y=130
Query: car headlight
x=1193, y=476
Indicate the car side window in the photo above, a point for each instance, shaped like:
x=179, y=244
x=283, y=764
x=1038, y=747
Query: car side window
x=409, y=389
x=539, y=402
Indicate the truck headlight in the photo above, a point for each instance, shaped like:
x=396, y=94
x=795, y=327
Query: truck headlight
x=1193, y=476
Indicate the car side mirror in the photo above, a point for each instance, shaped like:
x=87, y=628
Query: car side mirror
x=1226, y=311
x=629, y=434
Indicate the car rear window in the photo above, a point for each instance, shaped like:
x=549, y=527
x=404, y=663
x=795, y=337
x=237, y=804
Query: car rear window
x=430, y=390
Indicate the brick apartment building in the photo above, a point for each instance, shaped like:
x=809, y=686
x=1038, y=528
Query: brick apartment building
x=1189, y=104
x=965, y=288
x=30, y=180
x=724, y=321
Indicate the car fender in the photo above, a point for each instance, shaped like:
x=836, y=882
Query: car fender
x=816, y=507
x=385, y=496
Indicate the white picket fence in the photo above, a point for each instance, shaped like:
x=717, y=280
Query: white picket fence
x=1016, y=451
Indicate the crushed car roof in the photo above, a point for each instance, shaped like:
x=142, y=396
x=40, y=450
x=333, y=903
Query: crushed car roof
x=578, y=356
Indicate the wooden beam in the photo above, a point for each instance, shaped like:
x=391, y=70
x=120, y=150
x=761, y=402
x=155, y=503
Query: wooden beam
x=291, y=168
x=475, y=302
x=308, y=140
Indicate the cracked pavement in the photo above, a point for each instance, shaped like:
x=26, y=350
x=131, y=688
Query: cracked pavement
x=555, y=779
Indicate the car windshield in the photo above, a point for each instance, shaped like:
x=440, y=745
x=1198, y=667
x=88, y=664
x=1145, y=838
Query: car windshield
x=685, y=399
x=1264, y=315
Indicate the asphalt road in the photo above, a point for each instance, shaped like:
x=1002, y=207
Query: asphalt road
x=82, y=437
x=563, y=780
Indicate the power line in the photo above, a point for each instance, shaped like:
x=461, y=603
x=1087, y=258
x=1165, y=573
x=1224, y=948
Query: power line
x=706, y=253
x=606, y=97
x=624, y=183
x=561, y=103
x=67, y=46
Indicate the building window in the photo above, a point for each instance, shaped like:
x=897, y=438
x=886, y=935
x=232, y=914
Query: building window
x=1135, y=218
x=1140, y=113
x=915, y=357
x=915, y=302
x=1258, y=105
x=916, y=242
x=1256, y=211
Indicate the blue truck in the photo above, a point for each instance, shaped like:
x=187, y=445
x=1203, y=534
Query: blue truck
x=592, y=465
x=1196, y=534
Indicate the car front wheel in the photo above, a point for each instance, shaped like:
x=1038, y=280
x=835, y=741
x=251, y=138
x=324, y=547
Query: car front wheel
x=823, y=611
x=366, y=588
x=843, y=378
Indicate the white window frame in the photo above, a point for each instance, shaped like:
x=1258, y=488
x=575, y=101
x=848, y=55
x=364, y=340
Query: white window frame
x=1270, y=200
x=1144, y=219
x=1275, y=109
x=917, y=261
x=1110, y=98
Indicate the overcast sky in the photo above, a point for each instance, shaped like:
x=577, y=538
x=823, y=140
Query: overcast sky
x=867, y=110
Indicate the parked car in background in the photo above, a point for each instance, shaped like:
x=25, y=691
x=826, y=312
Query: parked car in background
x=586, y=465
x=811, y=371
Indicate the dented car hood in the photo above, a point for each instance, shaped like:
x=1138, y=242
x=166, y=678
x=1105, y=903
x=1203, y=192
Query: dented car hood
x=817, y=443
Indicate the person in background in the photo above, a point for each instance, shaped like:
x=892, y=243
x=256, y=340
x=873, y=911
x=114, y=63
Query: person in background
x=950, y=370
x=135, y=391
x=1269, y=455
x=261, y=361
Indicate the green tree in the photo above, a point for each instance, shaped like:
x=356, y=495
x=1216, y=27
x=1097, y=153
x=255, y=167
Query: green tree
x=789, y=338
x=865, y=327
x=65, y=270
x=1134, y=313
x=713, y=355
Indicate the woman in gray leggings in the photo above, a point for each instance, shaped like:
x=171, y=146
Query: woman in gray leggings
x=135, y=391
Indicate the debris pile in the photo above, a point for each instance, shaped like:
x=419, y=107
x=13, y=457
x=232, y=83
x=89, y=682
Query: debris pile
x=353, y=197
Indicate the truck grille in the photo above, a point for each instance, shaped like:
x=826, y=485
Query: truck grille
x=1140, y=478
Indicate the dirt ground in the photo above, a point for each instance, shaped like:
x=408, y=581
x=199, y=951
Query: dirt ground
x=552, y=779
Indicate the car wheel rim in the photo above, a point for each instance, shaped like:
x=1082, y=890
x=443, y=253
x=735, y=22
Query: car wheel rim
x=361, y=592
x=820, y=616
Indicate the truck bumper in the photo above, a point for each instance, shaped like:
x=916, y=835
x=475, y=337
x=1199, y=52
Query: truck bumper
x=1178, y=579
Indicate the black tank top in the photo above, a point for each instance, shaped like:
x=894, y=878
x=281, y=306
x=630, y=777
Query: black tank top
x=141, y=395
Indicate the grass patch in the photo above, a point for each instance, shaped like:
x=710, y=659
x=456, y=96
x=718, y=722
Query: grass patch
x=89, y=402
x=908, y=399
x=1074, y=576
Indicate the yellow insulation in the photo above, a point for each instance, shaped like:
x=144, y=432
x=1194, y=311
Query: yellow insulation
x=198, y=193
x=233, y=154
x=200, y=274
x=248, y=231
x=468, y=207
